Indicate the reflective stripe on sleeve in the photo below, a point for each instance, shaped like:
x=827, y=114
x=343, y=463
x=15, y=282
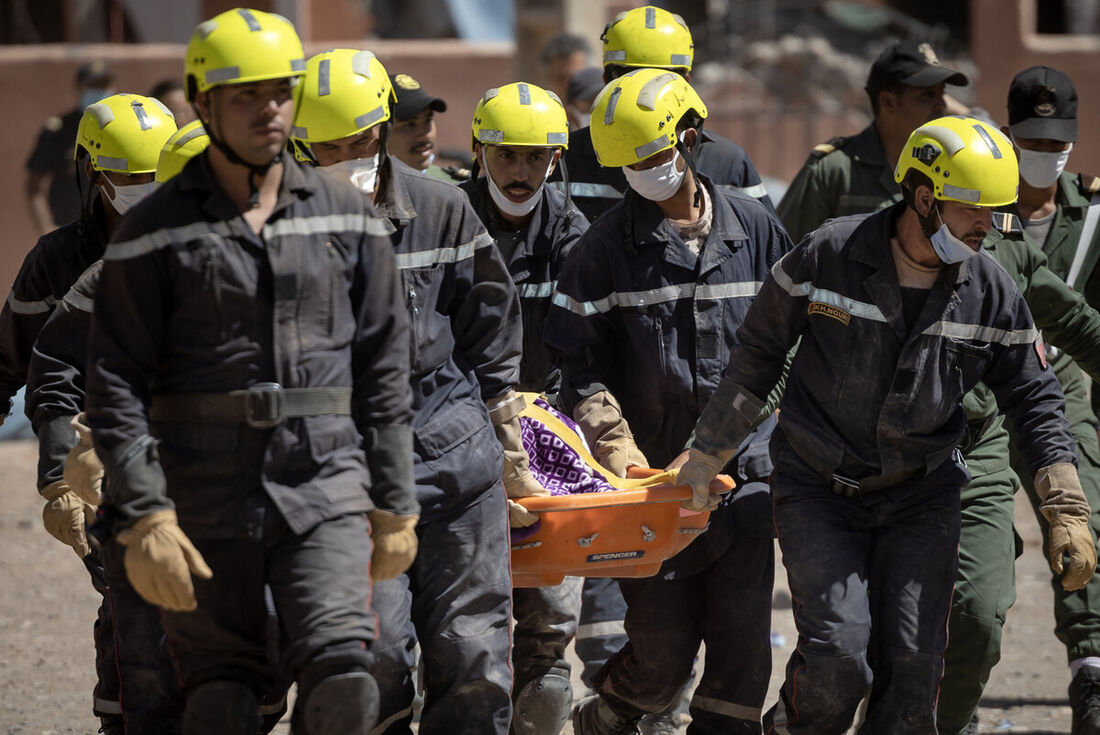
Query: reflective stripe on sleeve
x=756, y=190
x=30, y=307
x=536, y=290
x=79, y=301
x=588, y=190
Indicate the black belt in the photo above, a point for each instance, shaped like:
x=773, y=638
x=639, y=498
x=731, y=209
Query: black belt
x=850, y=488
x=262, y=406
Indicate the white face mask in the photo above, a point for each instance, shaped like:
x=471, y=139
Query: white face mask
x=516, y=209
x=362, y=172
x=658, y=183
x=949, y=248
x=1041, y=169
x=126, y=197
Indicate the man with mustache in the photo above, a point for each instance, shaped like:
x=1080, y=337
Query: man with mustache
x=519, y=133
x=413, y=132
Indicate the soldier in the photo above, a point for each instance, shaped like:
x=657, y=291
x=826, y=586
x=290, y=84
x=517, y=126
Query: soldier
x=867, y=471
x=413, y=135
x=853, y=175
x=519, y=133
x=455, y=598
x=250, y=401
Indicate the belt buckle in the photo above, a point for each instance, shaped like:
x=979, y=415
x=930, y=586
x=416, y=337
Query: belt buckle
x=264, y=405
x=845, y=486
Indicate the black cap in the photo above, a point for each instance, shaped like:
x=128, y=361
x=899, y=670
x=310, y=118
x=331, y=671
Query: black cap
x=912, y=63
x=585, y=84
x=412, y=99
x=94, y=71
x=1042, y=103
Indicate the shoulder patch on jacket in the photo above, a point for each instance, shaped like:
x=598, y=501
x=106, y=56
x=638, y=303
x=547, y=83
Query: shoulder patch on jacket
x=823, y=149
x=1006, y=222
x=1088, y=184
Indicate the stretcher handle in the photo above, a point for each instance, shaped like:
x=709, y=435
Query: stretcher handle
x=655, y=493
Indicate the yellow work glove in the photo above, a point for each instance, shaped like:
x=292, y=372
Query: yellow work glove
x=1067, y=512
x=160, y=560
x=518, y=480
x=601, y=421
x=697, y=472
x=83, y=470
x=395, y=544
x=64, y=517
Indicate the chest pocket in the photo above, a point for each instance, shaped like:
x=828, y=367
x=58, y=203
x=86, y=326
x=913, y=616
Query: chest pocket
x=216, y=277
x=968, y=360
x=322, y=278
x=431, y=339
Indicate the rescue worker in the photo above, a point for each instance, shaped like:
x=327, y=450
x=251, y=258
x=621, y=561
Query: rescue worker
x=563, y=56
x=986, y=578
x=867, y=471
x=49, y=184
x=642, y=323
x=248, y=401
x=519, y=133
x=1059, y=211
x=650, y=37
x=464, y=311
x=118, y=141
x=644, y=37
x=413, y=132
x=854, y=174
x=150, y=697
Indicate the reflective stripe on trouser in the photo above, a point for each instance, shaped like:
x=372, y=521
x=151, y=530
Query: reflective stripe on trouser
x=600, y=633
x=105, y=694
x=152, y=701
x=1076, y=614
x=854, y=567
x=985, y=587
x=727, y=606
x=546, y=621
x=456, y=600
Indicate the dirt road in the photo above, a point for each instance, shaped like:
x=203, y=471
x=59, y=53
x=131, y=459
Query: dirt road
x=47, y=607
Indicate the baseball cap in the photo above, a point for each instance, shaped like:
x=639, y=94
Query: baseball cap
x=411, y=98
x=94, y=71
x=913, y=63
x=1042, y=103
x=585, y=84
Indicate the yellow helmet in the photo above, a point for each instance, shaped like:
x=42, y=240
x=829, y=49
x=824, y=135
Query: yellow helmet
x=124, y=133
x=521, y=114
x=345, y=91
x=635, y=116
x=240, y=46
x=968, y=161
x=186, y=143
x=648, y=37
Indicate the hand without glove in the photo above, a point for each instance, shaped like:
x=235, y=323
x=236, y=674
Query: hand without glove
x=518, y=480
x=395, y=544
x=160, y=560
x=1067, y=511
x=697, y=472
x=83, y=470
x=64, y=517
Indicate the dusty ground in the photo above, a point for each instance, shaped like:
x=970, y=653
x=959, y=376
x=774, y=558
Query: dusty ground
x=47, y=607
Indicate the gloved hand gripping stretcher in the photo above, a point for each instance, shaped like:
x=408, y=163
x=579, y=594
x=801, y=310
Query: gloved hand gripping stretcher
x=595, y=524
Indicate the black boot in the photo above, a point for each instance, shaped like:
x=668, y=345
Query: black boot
x=1084, y=698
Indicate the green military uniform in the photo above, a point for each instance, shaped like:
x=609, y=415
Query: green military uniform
x=844, y=176
x=450, y=174
x=1075, y=623
x=852, y=175
x=985, y=586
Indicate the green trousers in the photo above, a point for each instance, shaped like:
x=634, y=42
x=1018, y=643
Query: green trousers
x=986, y=583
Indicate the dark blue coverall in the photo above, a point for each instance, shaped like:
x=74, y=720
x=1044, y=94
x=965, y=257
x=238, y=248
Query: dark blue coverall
x=638, y=314
x=867, y=471
x=47, y=273
x=466, y=343
x=595, y=189
x=193, y=304
x=546, y=617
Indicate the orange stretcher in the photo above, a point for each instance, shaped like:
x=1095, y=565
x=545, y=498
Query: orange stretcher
x=628, y=532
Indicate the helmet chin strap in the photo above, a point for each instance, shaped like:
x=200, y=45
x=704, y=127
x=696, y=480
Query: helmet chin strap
x=254, y=171
x=690, y=159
